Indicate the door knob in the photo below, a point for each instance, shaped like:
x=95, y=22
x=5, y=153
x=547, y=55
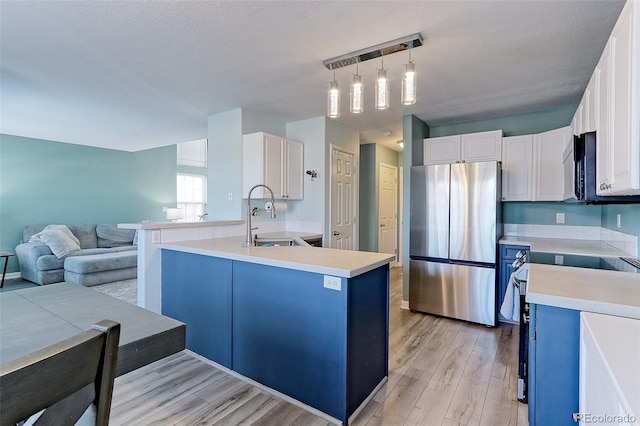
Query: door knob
x=336, y=233
x=382, y=225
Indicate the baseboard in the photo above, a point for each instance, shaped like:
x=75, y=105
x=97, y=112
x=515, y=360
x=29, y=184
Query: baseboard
x=404, y=305
x=367, y=399
x=12, y=275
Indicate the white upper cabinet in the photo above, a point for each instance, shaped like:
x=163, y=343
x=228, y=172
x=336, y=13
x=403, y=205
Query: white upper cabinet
x=273, y=161
x=532, y=168
x=470, y=147
x=517, y=163
x=617, y=106
x=602, y=72
x=548, y=170
x=442, y=150
x=624, y=140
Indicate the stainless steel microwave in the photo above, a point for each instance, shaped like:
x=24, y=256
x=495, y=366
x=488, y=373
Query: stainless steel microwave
x=579, y=161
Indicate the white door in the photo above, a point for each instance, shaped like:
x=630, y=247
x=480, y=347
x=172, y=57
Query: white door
x=342, y=226
x=388, y=211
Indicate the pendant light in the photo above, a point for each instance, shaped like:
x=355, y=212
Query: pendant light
x=356, y=98
x=409, y=83
x=333, y=98
x=382, y=89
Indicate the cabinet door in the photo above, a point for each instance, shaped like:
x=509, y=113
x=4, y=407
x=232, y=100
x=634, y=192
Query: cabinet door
x=294, y=173
x=548, y=173
x=517, y=152
x=603, y=124
x=624, y=150
x=482, y=146
x=589, y=112
x=442, y=150
x=273, y=164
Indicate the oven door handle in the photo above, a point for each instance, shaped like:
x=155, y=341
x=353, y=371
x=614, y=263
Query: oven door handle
x=525, y=318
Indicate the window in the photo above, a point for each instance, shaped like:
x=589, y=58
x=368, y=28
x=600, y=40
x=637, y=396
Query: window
x=192, y=195
x=192, y=179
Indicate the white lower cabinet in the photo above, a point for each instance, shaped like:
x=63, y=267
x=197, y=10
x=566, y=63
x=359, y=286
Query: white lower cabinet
x=273, y=161
x=609, y=374
x=532, y=168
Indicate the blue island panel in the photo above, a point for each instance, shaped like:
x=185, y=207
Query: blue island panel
x=197, y=290
x=368, y=336
x=290, y=334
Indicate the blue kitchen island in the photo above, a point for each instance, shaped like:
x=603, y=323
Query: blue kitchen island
x=311, y=323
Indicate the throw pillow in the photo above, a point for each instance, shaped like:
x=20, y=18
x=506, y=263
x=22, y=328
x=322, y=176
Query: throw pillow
x=59, y=242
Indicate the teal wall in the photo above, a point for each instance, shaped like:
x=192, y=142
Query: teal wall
x=368, y=204
x=544, y=213
x=371, y=155
x=513, y=125
x=43, y=182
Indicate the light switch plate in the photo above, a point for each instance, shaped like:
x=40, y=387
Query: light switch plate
x=559, y=217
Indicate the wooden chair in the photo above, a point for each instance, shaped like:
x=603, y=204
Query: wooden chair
x=63, y=379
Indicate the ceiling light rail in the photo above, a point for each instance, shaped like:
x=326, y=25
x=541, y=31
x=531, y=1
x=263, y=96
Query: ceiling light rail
x=373, y=52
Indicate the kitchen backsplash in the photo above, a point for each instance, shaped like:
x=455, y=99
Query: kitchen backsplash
x=626, y=242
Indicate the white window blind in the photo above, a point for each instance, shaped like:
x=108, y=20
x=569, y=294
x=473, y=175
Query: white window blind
x=193, y=153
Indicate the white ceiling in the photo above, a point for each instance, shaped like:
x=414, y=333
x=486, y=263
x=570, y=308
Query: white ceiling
x=133, y=75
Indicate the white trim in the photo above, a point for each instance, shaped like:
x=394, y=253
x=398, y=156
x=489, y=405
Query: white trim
x=269, y=390
x=12, y=275
x=404, y=305
x=366, y=401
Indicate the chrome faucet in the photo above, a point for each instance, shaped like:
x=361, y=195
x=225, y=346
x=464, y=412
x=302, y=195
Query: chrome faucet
x=249, y=241
x=202, y=216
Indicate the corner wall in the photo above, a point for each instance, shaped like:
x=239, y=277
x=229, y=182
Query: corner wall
x=44, y=182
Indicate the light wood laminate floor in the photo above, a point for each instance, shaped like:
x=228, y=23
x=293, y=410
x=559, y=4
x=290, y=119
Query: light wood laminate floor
x=441, y=372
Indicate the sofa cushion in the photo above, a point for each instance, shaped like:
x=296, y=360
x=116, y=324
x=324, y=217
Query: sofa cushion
x=101, y=262
x=111, y=236
x=86, y=234
x=60, y=243
x=49, y=262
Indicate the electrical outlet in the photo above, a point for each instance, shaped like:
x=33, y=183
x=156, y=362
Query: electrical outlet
x=156, y=237
x=559, y=217
x=230, y=196
x=559, y=259
x=618, y=220
x=333, y=283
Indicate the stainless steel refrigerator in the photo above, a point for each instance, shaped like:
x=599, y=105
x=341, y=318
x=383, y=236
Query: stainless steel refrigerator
x=455, y=226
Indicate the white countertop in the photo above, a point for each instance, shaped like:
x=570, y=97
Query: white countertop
x=618, y=341
x=566, y=246
x=583, y=289
x=341, y=263
x=169, y=225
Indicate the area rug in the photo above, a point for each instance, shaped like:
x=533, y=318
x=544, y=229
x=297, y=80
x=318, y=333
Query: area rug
x=126, y=290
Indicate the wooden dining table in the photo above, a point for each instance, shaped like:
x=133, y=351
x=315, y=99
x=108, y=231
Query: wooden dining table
x=34, y=318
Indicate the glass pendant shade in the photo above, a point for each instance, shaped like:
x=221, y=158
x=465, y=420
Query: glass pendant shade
x=409, y=84
x=333, y=100
x=382, y=90
x=356, y=102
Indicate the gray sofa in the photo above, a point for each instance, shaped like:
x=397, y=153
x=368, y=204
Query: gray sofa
x=106, y=254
